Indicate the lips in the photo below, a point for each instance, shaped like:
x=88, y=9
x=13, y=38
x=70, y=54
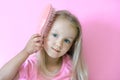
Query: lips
x=56, y=50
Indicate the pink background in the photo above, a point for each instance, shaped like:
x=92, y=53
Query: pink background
x=101, y=31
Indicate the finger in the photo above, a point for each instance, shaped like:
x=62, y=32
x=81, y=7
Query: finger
x=38, y=45
x=38, y=39
x=35, y=35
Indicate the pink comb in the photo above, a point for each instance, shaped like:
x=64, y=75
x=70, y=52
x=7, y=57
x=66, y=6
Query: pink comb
x=45, y=21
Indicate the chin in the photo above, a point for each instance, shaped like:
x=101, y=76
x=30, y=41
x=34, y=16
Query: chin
x=53, y=56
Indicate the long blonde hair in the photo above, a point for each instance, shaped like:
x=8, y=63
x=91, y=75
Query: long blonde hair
x=79, y=71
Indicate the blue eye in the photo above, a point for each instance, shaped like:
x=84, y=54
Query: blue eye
x=55, y=35
x=67, y=41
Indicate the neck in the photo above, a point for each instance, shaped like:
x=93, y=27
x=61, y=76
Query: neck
x=53, y=64
x=53, y=61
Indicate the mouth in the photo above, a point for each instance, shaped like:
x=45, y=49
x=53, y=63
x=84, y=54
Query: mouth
x=56, y=50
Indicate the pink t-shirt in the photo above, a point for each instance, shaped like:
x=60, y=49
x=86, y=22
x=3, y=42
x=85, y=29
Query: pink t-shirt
x=28, y=70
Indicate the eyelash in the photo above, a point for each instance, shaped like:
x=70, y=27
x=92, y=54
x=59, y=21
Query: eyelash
x=66, y=40
x=55, y=35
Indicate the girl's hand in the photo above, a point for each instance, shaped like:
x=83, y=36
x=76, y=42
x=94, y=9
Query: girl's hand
x=34, y=44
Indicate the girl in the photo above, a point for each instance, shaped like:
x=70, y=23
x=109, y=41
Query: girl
x=58, y=57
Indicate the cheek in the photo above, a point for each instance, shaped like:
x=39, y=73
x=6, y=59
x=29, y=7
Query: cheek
x=51, y=40
x=66, y=47
x=48, y=42
x=45, y=43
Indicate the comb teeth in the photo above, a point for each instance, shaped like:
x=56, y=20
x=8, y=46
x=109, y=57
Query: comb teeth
x=48, y=24
x=47, y=20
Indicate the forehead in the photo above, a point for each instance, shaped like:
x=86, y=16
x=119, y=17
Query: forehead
x=64, y=26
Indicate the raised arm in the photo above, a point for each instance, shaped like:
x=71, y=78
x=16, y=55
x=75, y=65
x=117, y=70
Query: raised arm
x=10, y=69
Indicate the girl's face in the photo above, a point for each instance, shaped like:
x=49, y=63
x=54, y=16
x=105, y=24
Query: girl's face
x=60, y=38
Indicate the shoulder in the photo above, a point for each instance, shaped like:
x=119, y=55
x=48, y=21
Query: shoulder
x=28, y=67
x=30, y=61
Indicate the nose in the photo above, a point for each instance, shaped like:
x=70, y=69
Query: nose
x=58, y=44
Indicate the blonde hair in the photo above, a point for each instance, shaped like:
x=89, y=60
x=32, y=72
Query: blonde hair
x=79, y=71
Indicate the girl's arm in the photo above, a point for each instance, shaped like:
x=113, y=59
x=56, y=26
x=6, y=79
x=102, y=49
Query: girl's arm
x=10, y=69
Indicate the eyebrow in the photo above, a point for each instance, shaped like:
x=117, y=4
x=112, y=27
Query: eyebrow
x=70, y=37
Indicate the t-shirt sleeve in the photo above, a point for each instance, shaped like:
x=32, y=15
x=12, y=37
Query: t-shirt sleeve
x=27, y=69
x=23, y=71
